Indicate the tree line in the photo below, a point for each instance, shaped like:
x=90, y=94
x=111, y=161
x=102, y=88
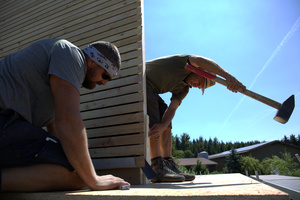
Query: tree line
x=292, y=139
x=183, y=147
x=286, y=165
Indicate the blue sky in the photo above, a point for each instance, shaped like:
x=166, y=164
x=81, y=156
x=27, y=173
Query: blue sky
x=257, y=41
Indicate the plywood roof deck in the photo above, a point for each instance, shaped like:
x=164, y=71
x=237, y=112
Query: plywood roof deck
x=204, y=187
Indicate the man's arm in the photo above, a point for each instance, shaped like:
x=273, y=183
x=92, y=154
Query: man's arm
x=211, y=66
x=169, y=114
x=71, y=131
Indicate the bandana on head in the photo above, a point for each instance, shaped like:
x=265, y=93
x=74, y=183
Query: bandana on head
x=101, y=60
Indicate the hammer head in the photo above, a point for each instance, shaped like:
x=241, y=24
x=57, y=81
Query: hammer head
x=285, y=110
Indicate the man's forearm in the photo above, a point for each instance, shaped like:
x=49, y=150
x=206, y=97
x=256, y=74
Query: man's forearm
x=74, y=141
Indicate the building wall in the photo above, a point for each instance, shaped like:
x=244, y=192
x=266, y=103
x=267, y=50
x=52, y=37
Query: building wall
x=114, y=115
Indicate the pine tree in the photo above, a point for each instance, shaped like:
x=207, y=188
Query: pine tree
x=233, y=162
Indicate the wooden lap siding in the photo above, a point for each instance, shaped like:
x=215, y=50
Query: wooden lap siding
x=114, y=115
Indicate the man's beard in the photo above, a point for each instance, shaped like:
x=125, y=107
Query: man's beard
x=88, y=84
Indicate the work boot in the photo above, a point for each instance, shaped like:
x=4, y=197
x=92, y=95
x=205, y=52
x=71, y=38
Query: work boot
x=163, y=173
x=174, y=167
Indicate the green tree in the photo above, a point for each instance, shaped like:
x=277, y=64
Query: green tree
x=178, y=154
x=199, y=168
x=287, y=165
x=233, y=162
x=185, y=140
x=251, y=164
x=177, y=143
x=188, y=154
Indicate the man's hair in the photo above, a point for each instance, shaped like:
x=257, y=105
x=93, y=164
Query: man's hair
x=110, y=51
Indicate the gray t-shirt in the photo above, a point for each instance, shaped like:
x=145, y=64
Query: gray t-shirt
x=24, y=78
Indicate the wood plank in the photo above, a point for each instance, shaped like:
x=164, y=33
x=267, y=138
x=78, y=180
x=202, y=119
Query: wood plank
x=114, y=120
x=95, y=32
x=132, y=54
x=115, y=83
x=109, y=21
x=130, y=47
x=13, y=47
x=14, y=12
x=118, y=163
x=38, y=34
x=82, y=42
x=27, y=21
x=125, y=99
x=130, y=71
x=116, y=141
x=132, y=62
x=130, y=40
x=57, y=10
x=115, y=130
x=134, y=150
x=9, y=5
x=111, y=111
x=129, y=89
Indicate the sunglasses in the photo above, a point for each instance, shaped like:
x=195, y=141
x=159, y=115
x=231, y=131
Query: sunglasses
x=106, y=76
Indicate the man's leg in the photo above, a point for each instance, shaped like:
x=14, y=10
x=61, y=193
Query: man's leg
x=40, y=177
x=163, y=173
x=155, y=147
x=166, y=151
x=166, y=143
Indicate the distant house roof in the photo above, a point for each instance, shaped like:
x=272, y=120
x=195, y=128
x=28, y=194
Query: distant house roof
x=246, y=149
x=193, y=161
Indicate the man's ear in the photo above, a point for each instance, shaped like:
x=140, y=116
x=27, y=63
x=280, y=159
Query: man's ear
x=89, y=62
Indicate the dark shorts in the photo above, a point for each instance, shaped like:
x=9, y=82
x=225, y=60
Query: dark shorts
x=22, y=144
x=156, y=106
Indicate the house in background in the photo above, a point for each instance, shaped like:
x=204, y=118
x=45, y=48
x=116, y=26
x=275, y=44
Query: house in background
x=258, y=151
x=202, y=157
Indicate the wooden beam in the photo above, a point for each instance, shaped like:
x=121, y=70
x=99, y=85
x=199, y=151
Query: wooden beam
x=111, y=111
x=133, y=150
x=118, y=163
x=116, y=141
x=114, y=120
x=115, y=130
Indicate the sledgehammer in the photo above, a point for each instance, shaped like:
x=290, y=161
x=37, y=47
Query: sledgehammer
x=284, y=110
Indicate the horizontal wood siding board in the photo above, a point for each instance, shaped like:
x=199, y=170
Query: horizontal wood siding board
x=121, y=100
x=115, y=130
x=38, y=19
x=116, y=141
x=133, y=150
x=128, y=40
x=114, y=120
x=107, y=23
x=8, y=6
x=128, y=89
x=115, y=83
x=71, y=37
x=114, y=92
x=82, y=42
x=112, y=111
x=62, y=16
x=92, y=29
x=22, y=12
x=132, y=62
x=95, y=32
x=118, y=163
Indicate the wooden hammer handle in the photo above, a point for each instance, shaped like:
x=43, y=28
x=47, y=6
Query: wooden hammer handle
x=246, y=92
